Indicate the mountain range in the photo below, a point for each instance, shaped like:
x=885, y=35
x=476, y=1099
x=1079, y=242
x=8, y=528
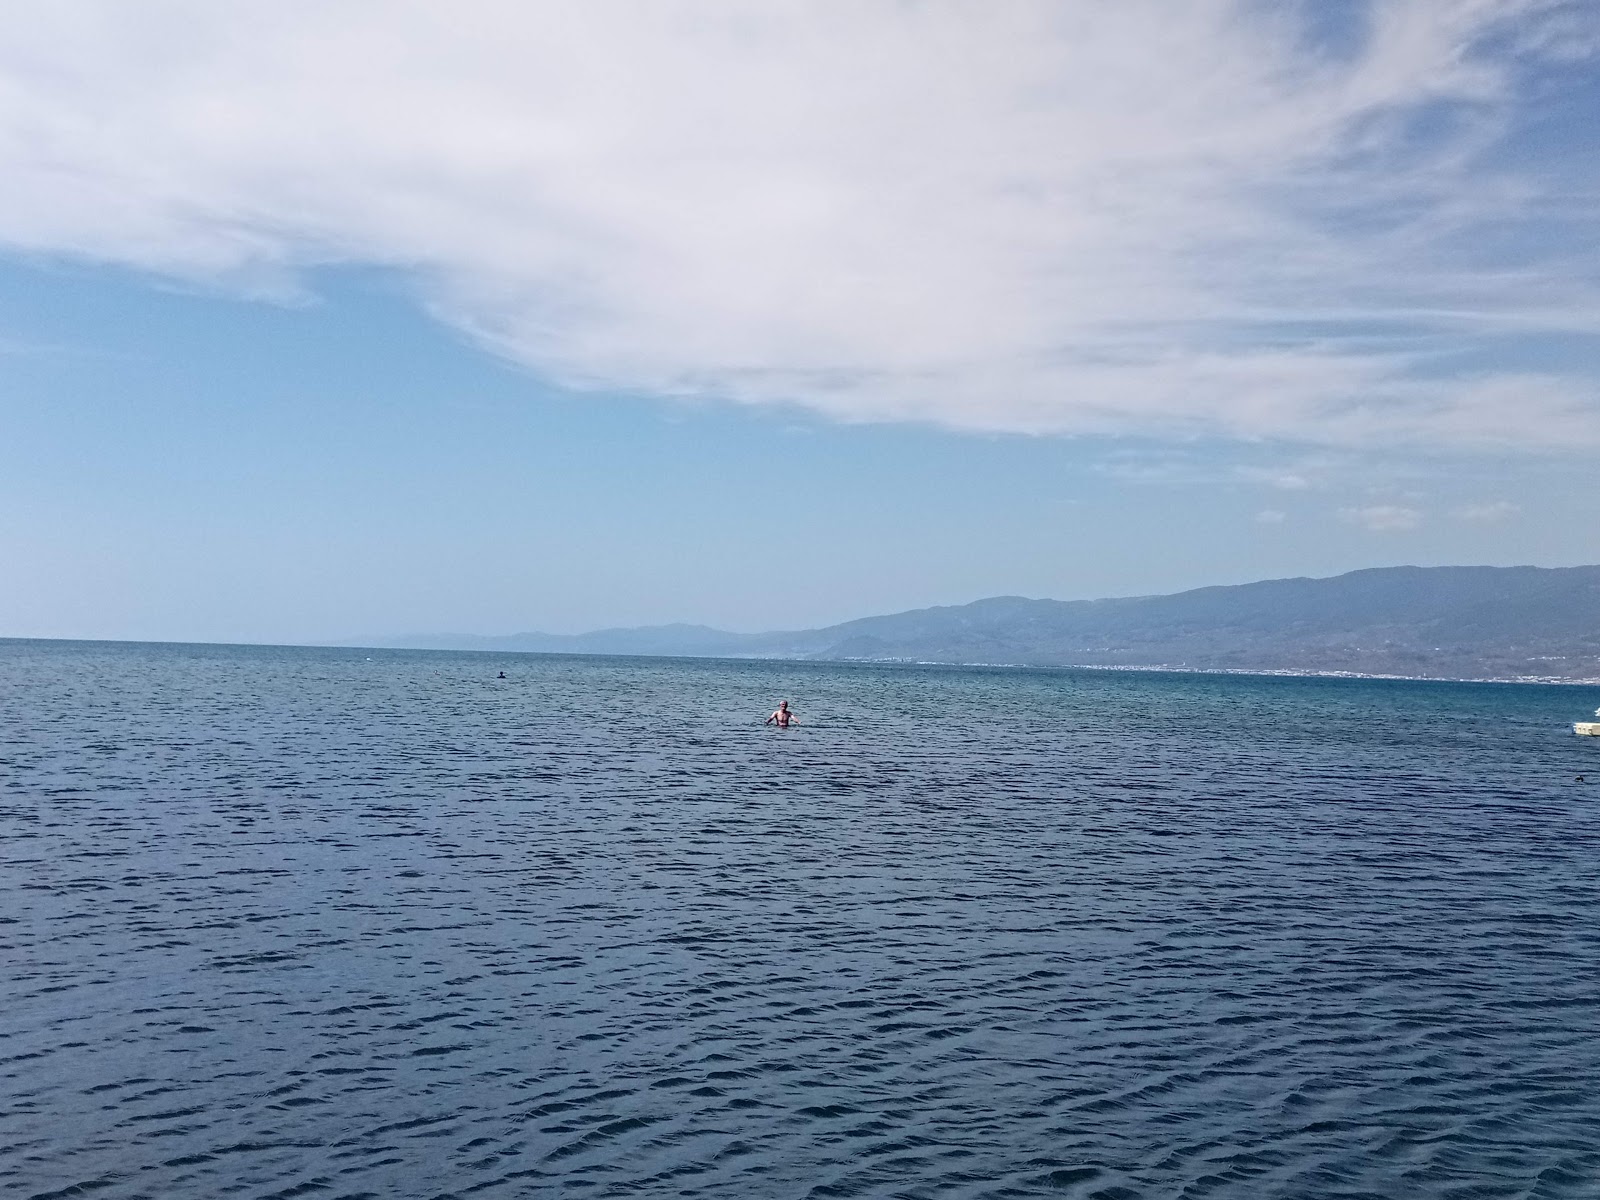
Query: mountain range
x=1427, y=622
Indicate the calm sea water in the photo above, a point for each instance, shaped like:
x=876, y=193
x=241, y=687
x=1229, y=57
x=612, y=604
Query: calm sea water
x=283, y=922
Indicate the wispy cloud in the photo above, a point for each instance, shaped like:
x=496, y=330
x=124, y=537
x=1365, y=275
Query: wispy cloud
x=1174, y=220
x=1287, y=479
x=1490, y=513
x=1271, y=516
x=1384, y=518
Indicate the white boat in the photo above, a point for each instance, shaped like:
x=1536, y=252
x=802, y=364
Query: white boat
x=1590, y=728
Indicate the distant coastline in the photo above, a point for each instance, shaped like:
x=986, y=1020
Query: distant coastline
x=1533, y=625
x=1490, y=624
x=1173, y=669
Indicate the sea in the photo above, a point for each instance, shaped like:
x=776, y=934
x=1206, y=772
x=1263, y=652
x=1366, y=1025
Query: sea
x=338, y=923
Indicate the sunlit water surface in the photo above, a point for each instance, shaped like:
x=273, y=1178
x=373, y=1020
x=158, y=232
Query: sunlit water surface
x=283, y=922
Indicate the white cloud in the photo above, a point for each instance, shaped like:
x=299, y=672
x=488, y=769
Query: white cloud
x=1271, y=516
x=1181, y=220
x=1490, y=513
x=1383, y=518
x=1282, y=478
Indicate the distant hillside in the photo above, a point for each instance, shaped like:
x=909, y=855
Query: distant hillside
x=1440, y=622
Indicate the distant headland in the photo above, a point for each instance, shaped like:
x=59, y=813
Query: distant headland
x=1511, y=623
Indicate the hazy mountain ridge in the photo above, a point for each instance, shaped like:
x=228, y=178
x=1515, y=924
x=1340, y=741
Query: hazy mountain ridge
x=1438, y=622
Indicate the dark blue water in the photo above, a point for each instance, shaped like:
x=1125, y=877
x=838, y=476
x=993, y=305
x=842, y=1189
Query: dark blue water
x=342, y=923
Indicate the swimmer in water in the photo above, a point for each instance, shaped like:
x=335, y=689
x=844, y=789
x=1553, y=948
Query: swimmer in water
x=782, y=717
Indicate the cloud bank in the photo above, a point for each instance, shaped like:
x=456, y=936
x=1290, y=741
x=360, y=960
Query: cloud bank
x=1214, y=218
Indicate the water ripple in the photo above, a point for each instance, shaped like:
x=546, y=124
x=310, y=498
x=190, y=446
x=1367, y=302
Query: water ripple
x=348, y=924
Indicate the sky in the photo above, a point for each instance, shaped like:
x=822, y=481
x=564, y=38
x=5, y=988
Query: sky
x=321, y=322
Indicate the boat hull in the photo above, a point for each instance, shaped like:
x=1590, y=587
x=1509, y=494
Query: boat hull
x=1589, y=728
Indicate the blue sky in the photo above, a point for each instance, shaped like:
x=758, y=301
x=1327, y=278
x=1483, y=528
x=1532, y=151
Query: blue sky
x=320, y=324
